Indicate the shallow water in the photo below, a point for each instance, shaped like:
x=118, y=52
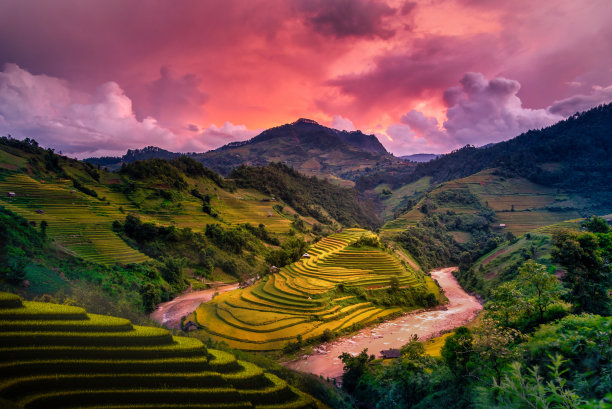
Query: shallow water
x=170, y=313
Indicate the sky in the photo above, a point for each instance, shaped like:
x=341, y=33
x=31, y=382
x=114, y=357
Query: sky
x=98, y=77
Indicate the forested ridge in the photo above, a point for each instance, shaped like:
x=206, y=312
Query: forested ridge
x=308, y=195
x=580, y=145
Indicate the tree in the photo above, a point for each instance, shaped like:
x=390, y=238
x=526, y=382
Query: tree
x=457, y=351
x=518, y=390
x=541, y=288
x=506, y=304
x=588, y=276
x=150, y=297
x=172, y=271
x=394, y=284
x=494, y=346
x=596, y=224
x=354, y=368
x=13, y=266
x=43, y=228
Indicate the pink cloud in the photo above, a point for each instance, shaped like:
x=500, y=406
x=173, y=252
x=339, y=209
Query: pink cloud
x=175, y=100
x=481, y=111
x=213, y=137
x=101, y=123
x=342, y=123
x=262, y=63
x=582, y=102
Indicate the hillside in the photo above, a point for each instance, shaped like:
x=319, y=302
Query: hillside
x=304, y=145
x=517, y=203
x=345, y=282
x=308, y=147
x=310, y=196
x=570, y=158
x=55, y=356
x=188, y=224
x=574, y=154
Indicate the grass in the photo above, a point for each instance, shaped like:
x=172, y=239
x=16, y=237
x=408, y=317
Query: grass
x=303, y=299
x=118, y=365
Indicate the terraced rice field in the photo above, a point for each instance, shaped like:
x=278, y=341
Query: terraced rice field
x=55, y=356
x=298, y=300
x=76, y=221
x=242, y=206
x=531, y=203
x=523, y=222
x=83, y=224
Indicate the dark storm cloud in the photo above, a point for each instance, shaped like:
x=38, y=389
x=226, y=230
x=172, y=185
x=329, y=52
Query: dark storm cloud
x=347, y=18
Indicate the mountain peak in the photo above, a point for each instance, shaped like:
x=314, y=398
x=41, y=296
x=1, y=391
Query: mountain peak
x=305, y=121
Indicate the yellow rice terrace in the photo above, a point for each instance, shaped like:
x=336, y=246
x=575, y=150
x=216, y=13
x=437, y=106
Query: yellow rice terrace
x=345, y=281
x=57, y=356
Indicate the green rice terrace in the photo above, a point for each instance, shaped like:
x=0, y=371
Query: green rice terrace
x=58, y=356
x=520, y=205
x=327, y=291
x=83, y=224
x=76, y=221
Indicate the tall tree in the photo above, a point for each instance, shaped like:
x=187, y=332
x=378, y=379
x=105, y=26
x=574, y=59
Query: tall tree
x=588, y=275
x=540, y=287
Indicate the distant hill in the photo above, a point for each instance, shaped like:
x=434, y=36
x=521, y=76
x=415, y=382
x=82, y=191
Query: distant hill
x=305, y=145
x=420, y=157
x=132, y=155
x=573, y=154
x=308, y=147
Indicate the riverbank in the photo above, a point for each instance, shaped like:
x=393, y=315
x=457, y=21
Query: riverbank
x=461, y=309
x=170, y=313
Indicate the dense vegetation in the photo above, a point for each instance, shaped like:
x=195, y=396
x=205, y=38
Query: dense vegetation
x=430, y=241
x=308, y=195
x=170, y=173
x=527, y=350
x=29, y=260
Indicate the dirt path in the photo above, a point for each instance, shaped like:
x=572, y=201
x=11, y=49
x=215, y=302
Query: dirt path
x=171, y=312
x=461, y=309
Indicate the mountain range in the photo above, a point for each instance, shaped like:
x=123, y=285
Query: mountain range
x=305, y=145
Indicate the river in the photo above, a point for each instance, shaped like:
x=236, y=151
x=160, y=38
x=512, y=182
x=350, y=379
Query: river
x=170, y=313
x=461, y=309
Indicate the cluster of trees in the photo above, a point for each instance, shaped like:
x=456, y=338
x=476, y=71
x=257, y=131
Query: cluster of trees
x=170, y=172
x=431, y=244
x=18, y=242
x=586, y=258
x=261, y=233
x=159, y=170
x=216, y=247
x=291, y=250
x=308, y=195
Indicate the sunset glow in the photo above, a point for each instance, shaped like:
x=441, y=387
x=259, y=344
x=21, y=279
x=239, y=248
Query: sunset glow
x=98, y=77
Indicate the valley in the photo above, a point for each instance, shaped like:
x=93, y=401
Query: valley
x=315, y=255
x=393, y=334
x=320, y=295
